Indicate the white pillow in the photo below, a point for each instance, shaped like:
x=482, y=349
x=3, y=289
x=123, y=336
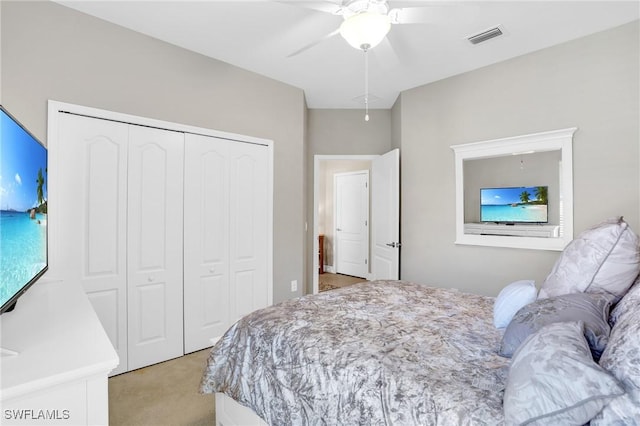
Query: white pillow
x=510, y=299
x=603, y=259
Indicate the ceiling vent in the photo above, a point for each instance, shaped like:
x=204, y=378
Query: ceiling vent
x=485, y=35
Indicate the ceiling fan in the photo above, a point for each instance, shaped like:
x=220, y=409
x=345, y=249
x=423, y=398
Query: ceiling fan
x=366, y=22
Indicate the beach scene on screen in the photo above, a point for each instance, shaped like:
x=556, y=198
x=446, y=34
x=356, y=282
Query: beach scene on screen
x=23, y=207
x=514, y=205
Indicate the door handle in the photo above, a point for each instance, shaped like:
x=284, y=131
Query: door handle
x=338, y=229
x=394, y=245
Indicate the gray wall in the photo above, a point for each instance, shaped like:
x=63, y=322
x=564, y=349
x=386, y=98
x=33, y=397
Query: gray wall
x=52, y=52
x=396, y=124
x=341, y=132
x=591, y=83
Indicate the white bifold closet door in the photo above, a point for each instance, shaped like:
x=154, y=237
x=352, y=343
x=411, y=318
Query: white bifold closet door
x=119, y=215
x=91, y=218
x=225, y=235
x=154, y=245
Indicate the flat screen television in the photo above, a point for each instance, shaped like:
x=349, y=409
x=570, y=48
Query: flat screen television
x=23, y=210
x=510, y=205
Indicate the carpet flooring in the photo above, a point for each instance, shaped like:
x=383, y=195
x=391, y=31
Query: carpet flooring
x=162, y=394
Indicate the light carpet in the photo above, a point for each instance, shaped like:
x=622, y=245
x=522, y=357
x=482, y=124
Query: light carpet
x=162, y=394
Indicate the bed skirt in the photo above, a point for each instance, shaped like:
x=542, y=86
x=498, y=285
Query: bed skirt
x=231, y=413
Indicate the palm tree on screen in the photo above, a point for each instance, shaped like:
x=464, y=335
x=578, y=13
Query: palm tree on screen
x=39, y=189
x=541, y=194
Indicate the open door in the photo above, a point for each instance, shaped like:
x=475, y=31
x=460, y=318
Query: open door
x=385, y=216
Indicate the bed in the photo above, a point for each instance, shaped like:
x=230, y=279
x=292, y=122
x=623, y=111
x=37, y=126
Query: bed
x=402, y=353
x=362, y=355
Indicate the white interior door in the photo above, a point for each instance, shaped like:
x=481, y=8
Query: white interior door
x=154, y=270
x=206, y=240
x=89, y=210
x=385, y=216
x=352, y=223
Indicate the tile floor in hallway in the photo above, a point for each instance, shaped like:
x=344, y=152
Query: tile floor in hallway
x=328, y=281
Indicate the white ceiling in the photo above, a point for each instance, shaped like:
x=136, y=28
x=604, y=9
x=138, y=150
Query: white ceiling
x=260, y=35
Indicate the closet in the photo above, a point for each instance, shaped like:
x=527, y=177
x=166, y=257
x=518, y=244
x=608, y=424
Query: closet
x=168, y=230
x=225, y=238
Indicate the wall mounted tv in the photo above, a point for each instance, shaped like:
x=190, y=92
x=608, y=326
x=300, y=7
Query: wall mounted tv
x=510, y=205
x=23, y=210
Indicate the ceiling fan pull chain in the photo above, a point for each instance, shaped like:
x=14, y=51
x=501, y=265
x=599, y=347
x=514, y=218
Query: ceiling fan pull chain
x=366, y=84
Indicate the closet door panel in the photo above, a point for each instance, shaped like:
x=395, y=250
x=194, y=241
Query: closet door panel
x=206, y=239
x=89, y=204
x=155, y=220
x=248, y=228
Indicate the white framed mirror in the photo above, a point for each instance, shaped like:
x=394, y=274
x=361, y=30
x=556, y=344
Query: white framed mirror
x=516, y=192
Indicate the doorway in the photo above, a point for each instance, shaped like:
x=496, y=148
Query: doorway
x=384, y=223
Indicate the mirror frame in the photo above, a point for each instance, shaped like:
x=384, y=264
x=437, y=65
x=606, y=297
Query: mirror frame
x=555, y=140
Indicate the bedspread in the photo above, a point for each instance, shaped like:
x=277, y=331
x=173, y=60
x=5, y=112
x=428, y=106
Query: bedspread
x=376, y=353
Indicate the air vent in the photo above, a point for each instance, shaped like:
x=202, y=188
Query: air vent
x=485, y=35
x=372, y=99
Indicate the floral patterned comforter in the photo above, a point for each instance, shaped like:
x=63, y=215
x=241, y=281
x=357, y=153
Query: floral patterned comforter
x=376, y=353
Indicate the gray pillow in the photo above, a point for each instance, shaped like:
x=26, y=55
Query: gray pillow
x=553, y=380
x=622, y=355
x=591, y=308
x=603, y=259
x=628, y=304
x=622, y=411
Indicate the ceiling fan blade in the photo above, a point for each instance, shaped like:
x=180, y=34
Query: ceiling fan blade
x=386, y=56
x=411, y=15
x=441, y=13
x=327, y=6
x=432, y=14
x=316, y=42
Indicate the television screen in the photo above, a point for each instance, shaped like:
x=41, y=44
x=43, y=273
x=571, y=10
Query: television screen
x=526, y=204
x=23, y=210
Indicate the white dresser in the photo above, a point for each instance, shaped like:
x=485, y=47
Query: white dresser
x=55, y=359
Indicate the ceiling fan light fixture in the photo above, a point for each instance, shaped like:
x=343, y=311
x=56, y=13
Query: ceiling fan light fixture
x=365, y=30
